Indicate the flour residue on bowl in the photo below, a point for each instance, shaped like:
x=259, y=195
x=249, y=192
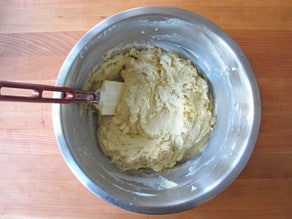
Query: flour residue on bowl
x=165, y=112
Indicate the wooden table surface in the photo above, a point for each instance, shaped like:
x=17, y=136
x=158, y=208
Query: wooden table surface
x=35, y=38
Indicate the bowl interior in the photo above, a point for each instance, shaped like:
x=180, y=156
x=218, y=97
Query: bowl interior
x=236, y=102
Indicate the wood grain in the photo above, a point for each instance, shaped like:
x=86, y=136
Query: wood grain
x=35, y=38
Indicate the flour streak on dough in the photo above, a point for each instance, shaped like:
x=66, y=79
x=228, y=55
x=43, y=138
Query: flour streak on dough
x=164, y=114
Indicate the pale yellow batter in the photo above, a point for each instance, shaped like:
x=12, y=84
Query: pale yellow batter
x=164, y=113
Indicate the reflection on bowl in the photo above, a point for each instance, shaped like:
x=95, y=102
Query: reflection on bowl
x=236, y=105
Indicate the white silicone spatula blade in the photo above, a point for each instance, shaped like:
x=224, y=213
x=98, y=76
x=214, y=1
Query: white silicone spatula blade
x=110, y=95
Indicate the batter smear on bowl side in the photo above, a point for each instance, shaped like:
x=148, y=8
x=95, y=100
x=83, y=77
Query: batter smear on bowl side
x=165, y=112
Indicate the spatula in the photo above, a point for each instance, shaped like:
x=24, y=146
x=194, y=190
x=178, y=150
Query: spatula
x=107, y=97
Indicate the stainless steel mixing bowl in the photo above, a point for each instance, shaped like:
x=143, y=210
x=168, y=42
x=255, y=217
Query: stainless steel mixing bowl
x=237, y=108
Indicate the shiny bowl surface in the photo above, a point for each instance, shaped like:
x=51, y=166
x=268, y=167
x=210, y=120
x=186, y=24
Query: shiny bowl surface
x=236, y=105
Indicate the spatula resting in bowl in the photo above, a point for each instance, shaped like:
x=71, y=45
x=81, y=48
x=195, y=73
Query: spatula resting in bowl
x=107, y=97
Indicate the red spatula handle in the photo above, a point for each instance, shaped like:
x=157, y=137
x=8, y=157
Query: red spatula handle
x=20, y=92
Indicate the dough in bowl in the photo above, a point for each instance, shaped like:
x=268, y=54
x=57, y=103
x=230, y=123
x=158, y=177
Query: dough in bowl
x=165, y=113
